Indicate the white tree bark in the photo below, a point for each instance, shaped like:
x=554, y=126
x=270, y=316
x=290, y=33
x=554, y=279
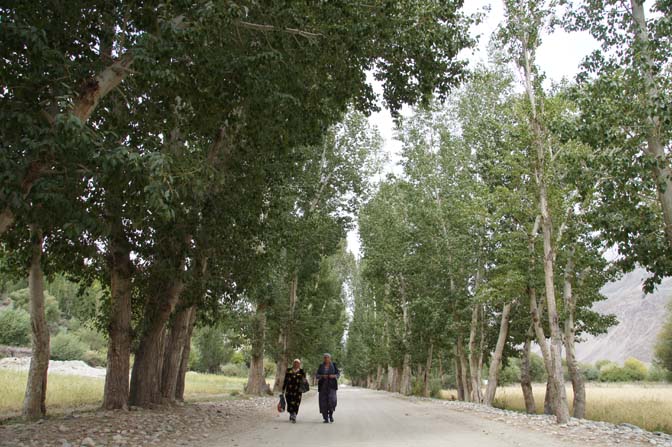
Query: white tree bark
x=654, y=140
x=496, y=359
x=575, y=375
x=474, y=353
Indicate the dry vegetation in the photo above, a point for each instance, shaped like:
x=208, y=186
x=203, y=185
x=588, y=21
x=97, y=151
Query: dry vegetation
x=648, y=406
x=72, y=392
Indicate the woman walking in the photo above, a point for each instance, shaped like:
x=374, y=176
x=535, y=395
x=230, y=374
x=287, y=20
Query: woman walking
x=291, y=387
x=327, y=384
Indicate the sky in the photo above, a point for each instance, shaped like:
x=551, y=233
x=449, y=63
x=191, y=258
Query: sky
x=558, y=56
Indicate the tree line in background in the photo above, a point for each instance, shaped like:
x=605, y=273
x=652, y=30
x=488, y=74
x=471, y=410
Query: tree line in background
x=497, y=233
x=199, y=163
x=191, y=168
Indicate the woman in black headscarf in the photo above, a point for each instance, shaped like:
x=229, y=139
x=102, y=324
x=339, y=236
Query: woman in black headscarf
x=327, y=384
x=291, y=387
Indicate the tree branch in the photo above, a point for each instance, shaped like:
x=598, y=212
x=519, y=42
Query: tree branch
x=261, y=27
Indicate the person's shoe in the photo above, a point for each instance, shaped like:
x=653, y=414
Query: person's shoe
x=326, y=421
x=331, y=418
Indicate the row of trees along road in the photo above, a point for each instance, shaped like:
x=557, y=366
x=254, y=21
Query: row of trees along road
x=494, y=236
x=188, y=156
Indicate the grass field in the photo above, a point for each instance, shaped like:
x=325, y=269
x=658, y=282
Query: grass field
x=646, y=405
x=71, y=392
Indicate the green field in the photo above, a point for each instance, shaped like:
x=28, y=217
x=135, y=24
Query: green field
x=648, y=406
x=75, y=392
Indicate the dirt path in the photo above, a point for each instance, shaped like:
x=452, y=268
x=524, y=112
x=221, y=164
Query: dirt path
x=363, y=418
x=370, y=418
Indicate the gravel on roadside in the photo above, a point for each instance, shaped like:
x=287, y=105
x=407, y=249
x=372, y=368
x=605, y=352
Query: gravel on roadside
x=583, y=431
x=169, y=425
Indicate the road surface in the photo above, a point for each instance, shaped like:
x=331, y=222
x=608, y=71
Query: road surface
x=372, y=418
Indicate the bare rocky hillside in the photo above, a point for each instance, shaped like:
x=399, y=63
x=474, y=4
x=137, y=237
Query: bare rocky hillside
x=640, y=319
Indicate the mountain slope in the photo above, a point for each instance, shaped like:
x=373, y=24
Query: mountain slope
x=640, y=319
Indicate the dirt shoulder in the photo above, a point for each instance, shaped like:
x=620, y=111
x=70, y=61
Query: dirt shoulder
x=169, y=426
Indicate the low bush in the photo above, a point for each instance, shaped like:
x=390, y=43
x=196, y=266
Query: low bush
x=435, y=388
x=537, y=368
x=66, y=346
x=614, y=373
x=417, y=387
x=590, y=373
x=212, y=349
x=510, y=373
x=636, y=369
x=602, y=363
x=14, y=327
x=269, y=368
x=21, y=299
x=234, y=370
x=632, y=371
x=238, y=358
x=92, y=338
x=97, y=359
x=658, y=374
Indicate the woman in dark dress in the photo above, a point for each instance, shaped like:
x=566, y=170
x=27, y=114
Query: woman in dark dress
x=292, y=388
x=327, y=384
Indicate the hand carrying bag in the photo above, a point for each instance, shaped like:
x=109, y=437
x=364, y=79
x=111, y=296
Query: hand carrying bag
x=282, y=404
x=305, y=386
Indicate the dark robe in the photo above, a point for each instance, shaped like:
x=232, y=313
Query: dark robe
x=326, y=388
x=292, y=389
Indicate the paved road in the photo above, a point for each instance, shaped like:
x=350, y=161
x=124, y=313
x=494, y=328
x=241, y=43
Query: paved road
x=372, y=418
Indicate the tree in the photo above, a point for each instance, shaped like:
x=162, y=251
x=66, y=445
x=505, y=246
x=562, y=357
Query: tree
x=631, y=168
x=114, y=105
x=663, y=348
x=522, y=33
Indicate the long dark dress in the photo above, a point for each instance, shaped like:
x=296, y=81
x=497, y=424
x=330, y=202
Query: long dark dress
x=327, y=388
x=292, y=389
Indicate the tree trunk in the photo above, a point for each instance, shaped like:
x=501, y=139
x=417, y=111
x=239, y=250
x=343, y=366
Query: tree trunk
x=550, y=397
x=459, y=383
x=559, y=392
x=536, y=315
x=34, y=402
x=539, y=144
x=575, y=375
x=496, y=359
x=256, y=380
x=526, y=378
x=441, y=368
x=175, y=345
x=405, y=386
x=283, y=362
x=428, y=370
x=654, y=140
x=115, y=394
x=392, y=382
x=405, y=379
x=146, y=375
x=474, y=370
x=184, y=364
x=379, y=378
x=464, y=369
